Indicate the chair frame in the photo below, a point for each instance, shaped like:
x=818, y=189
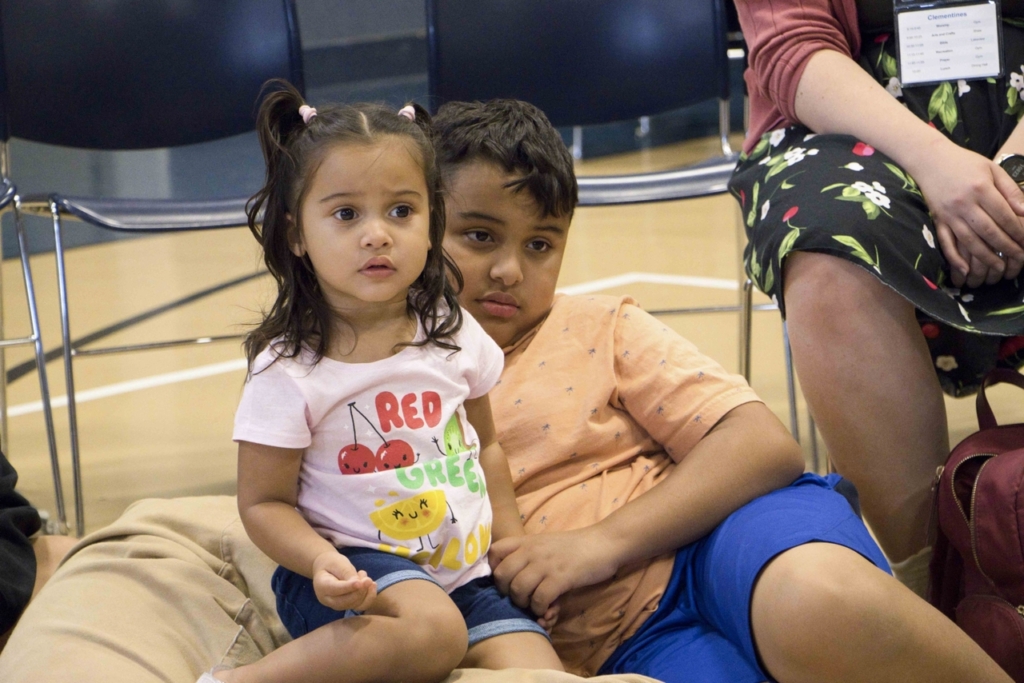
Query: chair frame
x=144, y=217
x=10, y=201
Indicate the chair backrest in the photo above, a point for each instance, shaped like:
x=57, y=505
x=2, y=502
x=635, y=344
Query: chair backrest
x=124, y=74
x=582, y=62
x=4, y=131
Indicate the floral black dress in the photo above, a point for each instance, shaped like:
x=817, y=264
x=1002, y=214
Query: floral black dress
x=837, y=195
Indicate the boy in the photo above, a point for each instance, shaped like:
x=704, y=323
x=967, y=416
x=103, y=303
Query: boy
x=626, y=444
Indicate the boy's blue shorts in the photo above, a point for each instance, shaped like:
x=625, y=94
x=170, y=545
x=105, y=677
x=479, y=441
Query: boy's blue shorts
x=487, y=612
x=701, y=631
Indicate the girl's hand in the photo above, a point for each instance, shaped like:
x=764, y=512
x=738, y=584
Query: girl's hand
x=536, y=570
x=550, y=618
x=339, y=586
x=977, y=210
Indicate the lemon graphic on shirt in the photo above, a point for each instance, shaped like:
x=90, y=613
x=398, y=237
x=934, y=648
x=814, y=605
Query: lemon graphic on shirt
x=413, y=517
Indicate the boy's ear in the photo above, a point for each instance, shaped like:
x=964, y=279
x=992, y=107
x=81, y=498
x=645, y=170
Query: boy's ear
x=295, y=237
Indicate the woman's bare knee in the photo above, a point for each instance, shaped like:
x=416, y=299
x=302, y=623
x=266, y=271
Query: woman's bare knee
x=817, y=285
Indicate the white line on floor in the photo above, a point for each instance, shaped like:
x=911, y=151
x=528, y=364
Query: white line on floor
x=240, y=364
x=133, y=385
x=650, y=278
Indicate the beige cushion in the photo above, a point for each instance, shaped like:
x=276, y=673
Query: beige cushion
x=167, y=591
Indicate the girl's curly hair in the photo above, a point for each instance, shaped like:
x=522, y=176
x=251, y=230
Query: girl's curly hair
x=293, y=150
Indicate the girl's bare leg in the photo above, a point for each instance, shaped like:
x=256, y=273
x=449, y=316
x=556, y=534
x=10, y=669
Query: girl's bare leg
x=821, y=612
x=868, y=378
x=412, y=633
x=513, y=651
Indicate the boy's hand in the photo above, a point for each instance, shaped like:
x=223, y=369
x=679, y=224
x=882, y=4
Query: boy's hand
x=536, y=570
x=339, y=586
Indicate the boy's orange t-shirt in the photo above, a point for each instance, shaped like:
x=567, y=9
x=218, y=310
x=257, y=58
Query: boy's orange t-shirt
x=594, y=407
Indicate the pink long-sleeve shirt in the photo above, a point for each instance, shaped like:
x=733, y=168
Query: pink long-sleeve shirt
x=781, y=36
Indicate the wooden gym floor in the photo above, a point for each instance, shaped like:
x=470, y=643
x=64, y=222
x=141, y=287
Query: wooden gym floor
x=158, y=423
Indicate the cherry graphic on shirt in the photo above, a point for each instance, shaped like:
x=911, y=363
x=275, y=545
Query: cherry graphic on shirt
x=357, y=458
x=394, y=454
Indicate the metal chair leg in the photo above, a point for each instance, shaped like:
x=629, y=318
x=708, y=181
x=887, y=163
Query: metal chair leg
x=724, y=126
x=44, y=384
x=746, y=324
x=69, y=376
x=794, y=418
x=812, y=430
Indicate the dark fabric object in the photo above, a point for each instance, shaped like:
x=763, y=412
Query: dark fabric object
x=835, y=195
x=977, y=569
x=18, y=521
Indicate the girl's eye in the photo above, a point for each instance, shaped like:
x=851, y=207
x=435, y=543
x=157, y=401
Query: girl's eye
x=401, y=211
x=478, y=236
x=538, y=245
x=345, y=214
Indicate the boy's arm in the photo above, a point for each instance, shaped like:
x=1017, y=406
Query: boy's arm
x=747, y=454
x=727, y=446
x=267, y=494
x=496, y=471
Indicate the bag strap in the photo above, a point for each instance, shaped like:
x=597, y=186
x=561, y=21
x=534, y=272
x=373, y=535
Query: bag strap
x=986, y=418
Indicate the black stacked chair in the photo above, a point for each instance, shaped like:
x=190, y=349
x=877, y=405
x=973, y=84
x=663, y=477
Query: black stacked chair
x=595, y=62
x=125, y=75
x=10, y=201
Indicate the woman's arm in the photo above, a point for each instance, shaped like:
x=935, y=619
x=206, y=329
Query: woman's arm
x=496, y=472
x=268, y=480
x=975, y=204
x=747, y=454
x=800, y=56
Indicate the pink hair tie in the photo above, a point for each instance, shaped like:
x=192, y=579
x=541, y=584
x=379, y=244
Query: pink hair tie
x=408, y=112
x=307, y=113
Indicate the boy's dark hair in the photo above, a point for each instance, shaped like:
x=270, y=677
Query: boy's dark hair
x=293, y=150
x=516, y=136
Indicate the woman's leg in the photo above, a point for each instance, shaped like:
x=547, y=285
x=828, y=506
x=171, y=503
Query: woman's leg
x=412, y=632
x=821, y=612
x=868, y=378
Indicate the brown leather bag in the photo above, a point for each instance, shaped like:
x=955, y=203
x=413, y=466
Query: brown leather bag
x=977, y=571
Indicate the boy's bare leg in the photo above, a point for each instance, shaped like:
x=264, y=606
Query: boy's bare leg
x=413, y=633
x=865, y=369
x=821, y=612
x=522, y=650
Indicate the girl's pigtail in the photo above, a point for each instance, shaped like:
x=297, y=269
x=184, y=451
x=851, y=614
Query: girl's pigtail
x=267, y=211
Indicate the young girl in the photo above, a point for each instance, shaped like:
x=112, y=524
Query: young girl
x=367, y=463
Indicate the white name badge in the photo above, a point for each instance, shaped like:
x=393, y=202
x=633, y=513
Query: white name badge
x=946, y=42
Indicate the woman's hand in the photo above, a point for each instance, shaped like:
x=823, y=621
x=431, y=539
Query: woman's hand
x=339, y=586
x=977, y=209
x=536, y=570
x=972, y=200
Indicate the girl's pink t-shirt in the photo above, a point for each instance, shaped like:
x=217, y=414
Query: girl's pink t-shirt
x=390, y=461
